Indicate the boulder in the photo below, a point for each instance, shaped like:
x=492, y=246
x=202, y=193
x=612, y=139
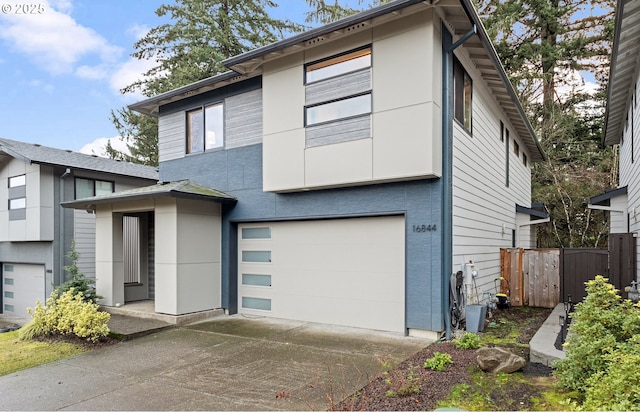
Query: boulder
x=494, y=360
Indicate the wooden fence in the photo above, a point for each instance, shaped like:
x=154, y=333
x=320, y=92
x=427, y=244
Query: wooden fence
x=532, y=276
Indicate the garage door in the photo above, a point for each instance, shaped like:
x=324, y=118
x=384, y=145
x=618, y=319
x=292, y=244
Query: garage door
x=347, y=272
x=22, y=286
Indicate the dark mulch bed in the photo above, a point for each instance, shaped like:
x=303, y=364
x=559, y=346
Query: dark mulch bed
x=436, y=386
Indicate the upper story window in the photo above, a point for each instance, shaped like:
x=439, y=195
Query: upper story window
x=462, y=94
x=524, y=160
x=205, y=128
x=16, y=181
x=90, y=187
x=338, y=109
x=19, y=203
x=516, y=148
x=338, y=65
x=17, y=197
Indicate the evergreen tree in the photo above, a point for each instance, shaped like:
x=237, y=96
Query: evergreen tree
x=201, y=34
x=77, y=279
x=546, y=47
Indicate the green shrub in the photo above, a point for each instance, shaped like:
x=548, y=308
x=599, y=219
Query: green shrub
x=602, y=328
x=616, y=388
x=66, y=314
x=438, y=362
x=467, y=341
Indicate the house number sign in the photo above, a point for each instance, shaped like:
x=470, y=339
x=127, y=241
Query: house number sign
x=424, y=228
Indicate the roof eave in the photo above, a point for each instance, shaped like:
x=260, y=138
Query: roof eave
x=535, y=149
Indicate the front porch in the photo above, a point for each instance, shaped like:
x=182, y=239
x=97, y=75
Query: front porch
x=145, y=309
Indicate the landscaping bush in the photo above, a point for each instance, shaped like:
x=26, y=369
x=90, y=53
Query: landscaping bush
x=467, y=341
x=601, y=336
x=66, y=314
x=438, y=362
x=616, y=388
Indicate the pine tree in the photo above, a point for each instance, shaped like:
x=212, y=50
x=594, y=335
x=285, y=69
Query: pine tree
x=201, y=34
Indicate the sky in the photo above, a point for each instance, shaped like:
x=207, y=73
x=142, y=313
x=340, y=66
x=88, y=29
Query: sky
x=63, y=62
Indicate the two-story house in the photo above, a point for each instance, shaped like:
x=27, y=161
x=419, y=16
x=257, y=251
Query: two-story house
x=622, y=124
x=339, y=176
x=36, y=234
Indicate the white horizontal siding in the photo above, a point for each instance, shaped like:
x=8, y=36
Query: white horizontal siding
x=630, y=171
x=484, y=215
x=171, y=136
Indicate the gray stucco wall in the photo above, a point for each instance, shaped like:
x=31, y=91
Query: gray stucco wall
x=238, y=172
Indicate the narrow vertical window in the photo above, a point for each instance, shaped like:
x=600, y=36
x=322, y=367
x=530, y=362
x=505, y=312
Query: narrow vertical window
x=195, y=141
x=506, y=140
x=524, y=159
x=462, y=95
x=501, y=131
x=516, y=148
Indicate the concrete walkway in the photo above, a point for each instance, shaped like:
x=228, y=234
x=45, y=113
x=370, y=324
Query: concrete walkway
x=542, y=347
x=231, y=363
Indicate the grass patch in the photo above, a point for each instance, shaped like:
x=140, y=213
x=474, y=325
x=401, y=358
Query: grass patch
x=17, y=355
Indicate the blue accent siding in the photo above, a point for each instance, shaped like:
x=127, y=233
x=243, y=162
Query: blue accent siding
x=238, y=172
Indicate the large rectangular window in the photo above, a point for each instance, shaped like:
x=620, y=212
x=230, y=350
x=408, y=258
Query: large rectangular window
x=339, y=109
x=462, y=94
x=205, y=128
x=338, y=65
x=90, y=187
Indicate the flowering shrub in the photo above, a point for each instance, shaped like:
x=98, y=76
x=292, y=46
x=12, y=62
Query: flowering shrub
x=67, y=314
x=601, y=335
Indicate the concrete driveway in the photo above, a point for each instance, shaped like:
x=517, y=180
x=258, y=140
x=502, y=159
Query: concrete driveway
x=231, y=363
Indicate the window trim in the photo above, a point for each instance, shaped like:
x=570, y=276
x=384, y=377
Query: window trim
x=202, y=109
x=357, y=51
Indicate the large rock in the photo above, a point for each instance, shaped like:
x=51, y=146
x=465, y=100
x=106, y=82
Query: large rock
x=496, y=360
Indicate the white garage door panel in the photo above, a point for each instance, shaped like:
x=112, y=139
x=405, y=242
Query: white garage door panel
x=346, y=272
x=23, y=285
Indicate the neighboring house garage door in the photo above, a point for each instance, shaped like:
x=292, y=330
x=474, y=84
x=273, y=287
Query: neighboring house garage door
x=347, y=272
x=22, y=286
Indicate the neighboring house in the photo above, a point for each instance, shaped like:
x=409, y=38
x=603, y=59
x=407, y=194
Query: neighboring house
x=311, y=181
x=35, y=232
x=622, y=125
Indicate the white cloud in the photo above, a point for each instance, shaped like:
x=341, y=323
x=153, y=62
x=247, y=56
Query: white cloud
x=97, y=147
x=54, y=40
x=93, y=72
x=129, y=72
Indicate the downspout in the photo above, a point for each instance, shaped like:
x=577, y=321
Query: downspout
x=60, y=276
x=447, y=166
